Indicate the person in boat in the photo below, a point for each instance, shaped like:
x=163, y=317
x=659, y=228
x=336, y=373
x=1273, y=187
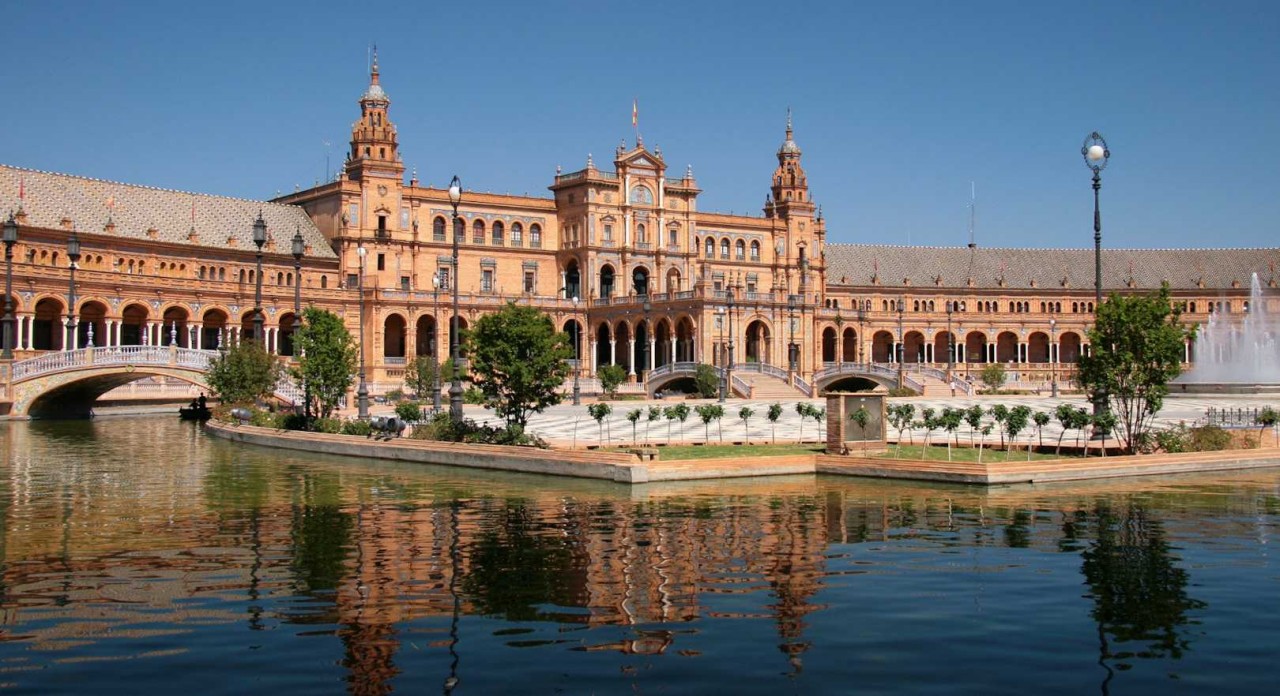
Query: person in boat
x=201, y=403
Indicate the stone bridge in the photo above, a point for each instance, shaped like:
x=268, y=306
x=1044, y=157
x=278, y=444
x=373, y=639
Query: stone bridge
x=857, y=376
x=66, y=384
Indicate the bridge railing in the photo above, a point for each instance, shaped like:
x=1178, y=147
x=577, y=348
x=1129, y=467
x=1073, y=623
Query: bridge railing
x=803, y=386
x=879, y=369
x=762, y=368
x=119, y=355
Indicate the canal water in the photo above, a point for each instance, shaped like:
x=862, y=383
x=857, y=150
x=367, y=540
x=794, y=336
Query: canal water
x=141, y=556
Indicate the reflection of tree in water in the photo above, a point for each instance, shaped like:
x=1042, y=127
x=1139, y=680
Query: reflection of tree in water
x=321, y=534
x=794, y=571
x=520, y=561
x=1139, y=593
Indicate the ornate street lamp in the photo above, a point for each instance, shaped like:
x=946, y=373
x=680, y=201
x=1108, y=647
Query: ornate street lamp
x=1053, y=362
x=1096, y=155
x=902, y=341
x=647, y=348
x=862, y=318
x=951, y=341
x=435, y=341
x=73, y=253
x=10, y=238
x=299, y=248
x=362, y=391
x=259, y=238
x=793, y=350
x=455, y=385
x=577, y=359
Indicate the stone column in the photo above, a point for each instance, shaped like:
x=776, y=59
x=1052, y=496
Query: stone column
x=631, y=354
x=19, y=334
x=652, y=354
x=672, y=343
x=613, y=351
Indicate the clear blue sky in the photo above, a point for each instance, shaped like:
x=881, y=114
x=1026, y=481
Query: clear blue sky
x=898, y=105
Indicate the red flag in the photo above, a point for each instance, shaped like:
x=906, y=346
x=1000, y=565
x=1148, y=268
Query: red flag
x=635, y=112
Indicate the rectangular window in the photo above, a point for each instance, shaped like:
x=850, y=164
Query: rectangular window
x=353, y=213
x=444, y=277
x=608, y=233
x=529, y=281
x=382, y=262
x=404, y=218
x=486, y=280
x=353, y=280
x=673, y=239
x=404, y=283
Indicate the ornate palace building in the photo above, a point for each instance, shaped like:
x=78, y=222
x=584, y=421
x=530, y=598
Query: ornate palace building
x=619, y=255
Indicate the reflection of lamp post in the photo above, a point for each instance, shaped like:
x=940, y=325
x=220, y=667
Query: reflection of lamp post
x=10, y=238
x=1053, y=363
x=299, y=248
x=73, y=253
x=455, y=384
x=577, y=359
x=362, y=391
x=901, y=352
x=1096, y=155
x=435, y=341
x=793, y=350
x=259, y=238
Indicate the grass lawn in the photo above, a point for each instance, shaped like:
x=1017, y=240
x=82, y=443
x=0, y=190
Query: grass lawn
x=717, y=451
x=961, y=454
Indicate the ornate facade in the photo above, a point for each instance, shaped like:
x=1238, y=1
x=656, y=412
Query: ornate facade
x=621, y=258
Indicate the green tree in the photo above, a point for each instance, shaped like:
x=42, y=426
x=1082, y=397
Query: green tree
x=243, y=373
x=707, y=381
x=861, y=417
x=951, y=419
x=329, y=355
x=745, y=413
x=775, y=412
x=973, y=418
x=900, y=417
x=1065, y=416
x=1041, y=419
x=420, y=375
x=1104, y=423
x=611, y=377
x=600, y=411
x=1014, y=423
x=993, y=376
x=999, y=414
x=655, y=412
x=1138, y=345
x=802, y=409
x=634, y=416
x=678, y=412
x=708, y=413
x=930, y=422
x=518, y=362
x=1268, y=419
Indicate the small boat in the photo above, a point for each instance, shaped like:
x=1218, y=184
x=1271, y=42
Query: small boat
x=194, y=413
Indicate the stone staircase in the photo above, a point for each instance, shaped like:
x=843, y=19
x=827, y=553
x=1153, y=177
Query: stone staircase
x=768, y=387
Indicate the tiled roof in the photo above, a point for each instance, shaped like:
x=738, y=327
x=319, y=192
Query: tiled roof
x=1024, y=269
x=88, y=203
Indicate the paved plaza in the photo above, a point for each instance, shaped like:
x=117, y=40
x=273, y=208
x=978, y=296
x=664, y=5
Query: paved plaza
x=566, y=425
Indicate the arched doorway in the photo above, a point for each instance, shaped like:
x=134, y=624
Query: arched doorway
x=133, y=318
x=829, y=345
x=641, y=353
x=673, y=280
x=640, y=280
x=684, y=340
x=913, y=347
x=425, y=336
x=572, y=279
x=174, y=329
x=91, y=325
x=1006, y=347
x=47, y=330
x=606, y=281
x=214, y=330
x=759, y=343
x=393, y=336
x=573, y=330
x=943, y=345
x=622, y=334
x=1038, y=348
x=975, y=347
x=882, y=347
x=285, y=336
x=604, y=349
x=1069, y=347
x=849, y=345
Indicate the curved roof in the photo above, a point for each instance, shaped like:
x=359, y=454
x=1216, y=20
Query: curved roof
x=49, y=197
x=1026, y=269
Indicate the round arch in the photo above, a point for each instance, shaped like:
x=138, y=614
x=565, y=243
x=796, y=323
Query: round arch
x=394, y=335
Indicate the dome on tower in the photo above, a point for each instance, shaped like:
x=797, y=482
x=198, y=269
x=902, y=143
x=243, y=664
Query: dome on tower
x=789, y=146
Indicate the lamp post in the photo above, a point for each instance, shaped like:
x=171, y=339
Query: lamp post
x=259, y=238
x=455, y=384
x=1053, y=363
x=728, y=378
x=73, y=253
x=862, y=318
x=724, y=383
x=362, y=391
x=10, y=238
x=577, y=359
x=1096, y=155
x=435, y=341
x=647, y=349
x=792, y=348
x=901, y=352
x=951, y=341
x=299, y=248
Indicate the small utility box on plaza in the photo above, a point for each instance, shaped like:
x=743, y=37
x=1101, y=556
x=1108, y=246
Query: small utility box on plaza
x=844, y=433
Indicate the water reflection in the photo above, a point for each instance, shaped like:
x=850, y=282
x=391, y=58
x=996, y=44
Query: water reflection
x=151, y=542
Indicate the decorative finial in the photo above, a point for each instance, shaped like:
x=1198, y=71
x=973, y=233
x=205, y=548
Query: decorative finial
x=788, y=122
x=373, y=71
x=657, y=150
x=590, y=164
x=557, y=170
x=639, y=141
x=688, y=172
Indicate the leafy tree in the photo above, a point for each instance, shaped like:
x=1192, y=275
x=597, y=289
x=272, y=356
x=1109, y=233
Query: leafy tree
x=1268, y=418
x=900, y=416
x=973, y=417
x=600, y=411
x=951, y=419
x=993, y=377
x=611, y=377
x=420, y=375
x=1041, y=419
x=1000, y=413
x=329, y=355
x=678, y=412
x=655, y=412
x=775, y=412
x=986, y=430
x=707, y=381
x=1104, y=423
x=802, y=410
x=861, y=417
x=745, y=413
x=243, y=373
x=708, y=413
x=634, y=416
x=1138, y=344
x=819, y=415
x=518, y=362
x=929, y=421
x=1014, y=423
x=1064, y=414
x=409, y=411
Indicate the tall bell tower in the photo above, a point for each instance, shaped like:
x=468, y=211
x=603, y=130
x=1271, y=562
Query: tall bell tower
x=374, y=148
x=789, y=194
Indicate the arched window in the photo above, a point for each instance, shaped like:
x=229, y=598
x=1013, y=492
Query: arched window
x=724, y=248
x=517, y=234
x=535, y=235
x=755, y=251
x=740, y=250
x=640, y=234
x=477, y=232
x=459, y=229
x=324, y=282
x=711, y=248
x=497, y=232
x=437, y=229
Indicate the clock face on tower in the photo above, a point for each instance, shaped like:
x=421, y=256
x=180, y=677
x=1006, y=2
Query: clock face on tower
x=382, y=190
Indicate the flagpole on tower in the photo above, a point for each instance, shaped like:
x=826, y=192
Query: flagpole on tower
x=635, y=117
